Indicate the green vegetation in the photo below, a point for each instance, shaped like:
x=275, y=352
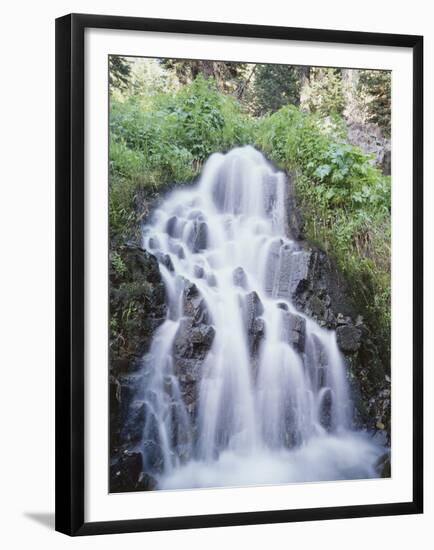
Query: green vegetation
x=161, y=135
x=345, y=201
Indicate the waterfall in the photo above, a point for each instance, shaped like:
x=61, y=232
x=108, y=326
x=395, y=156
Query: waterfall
x=238, y=386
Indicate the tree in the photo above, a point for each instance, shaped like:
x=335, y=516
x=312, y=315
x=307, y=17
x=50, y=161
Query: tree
x=227, y=76
x=276, y=86
x=323, y=92
x=377, y=86
x=119, y=72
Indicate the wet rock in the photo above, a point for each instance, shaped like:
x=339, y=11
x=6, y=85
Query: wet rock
x=198, y=271
x=294, y=330
x=194, y=305
x=190, y=290
x=126, y=474
x=325, y=412
x=177, y=249
x=200, y=236
x=252, y=309
x=132, y=431
x=153, y=453
x=316, y=360
x=190, y=347
x=383, y=466
x=348, y=338
x=192, y=341
x=256, y=335
x=115, y=410
x=272, y=266
x=282, y=305
x=270, y=192
x=171, y=226
x=166, y=260
x=293, y=273
x=239, y=277
x=312, y=282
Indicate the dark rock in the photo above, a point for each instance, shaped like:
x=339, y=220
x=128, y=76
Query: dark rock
x=171, y=226
x=115, y=411
x=294, y=330
x=138, y=289
x=190, y=348
x=193, y=342
x=383, y=466
x=126, y=474
x=295, y=219
x=312, y=282
x=282, y=305
x=348, y=338
x=165, y=259
x=325, y=413
x=293, y=273
x=133, y=425
x=386, y=165
x=199, y=237
x=239, y=277
x=153, y=455
x=256, y=335
x=190, y=290
x=194, y=305
x=252, y=309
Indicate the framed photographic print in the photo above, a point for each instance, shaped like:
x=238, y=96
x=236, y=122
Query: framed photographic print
x=238, y=274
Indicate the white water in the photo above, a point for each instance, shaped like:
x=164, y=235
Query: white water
x=285, y=417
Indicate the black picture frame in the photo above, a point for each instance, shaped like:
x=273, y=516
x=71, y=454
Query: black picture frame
x=70, y=285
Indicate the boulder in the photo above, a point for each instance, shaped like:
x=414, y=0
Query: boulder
x=294, y=330
x=256, y=335
x=194, y=305
x=252, y=309
x=293, y=272
x=193, y=341
x=348, y=338
x=165, y=260
x=199, y=237
x=171, y=226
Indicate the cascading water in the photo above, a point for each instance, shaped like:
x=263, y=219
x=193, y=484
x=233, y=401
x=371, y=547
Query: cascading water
x=265, y=399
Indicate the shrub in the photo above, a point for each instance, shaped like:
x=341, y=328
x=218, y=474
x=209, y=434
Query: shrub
x=345, y=200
